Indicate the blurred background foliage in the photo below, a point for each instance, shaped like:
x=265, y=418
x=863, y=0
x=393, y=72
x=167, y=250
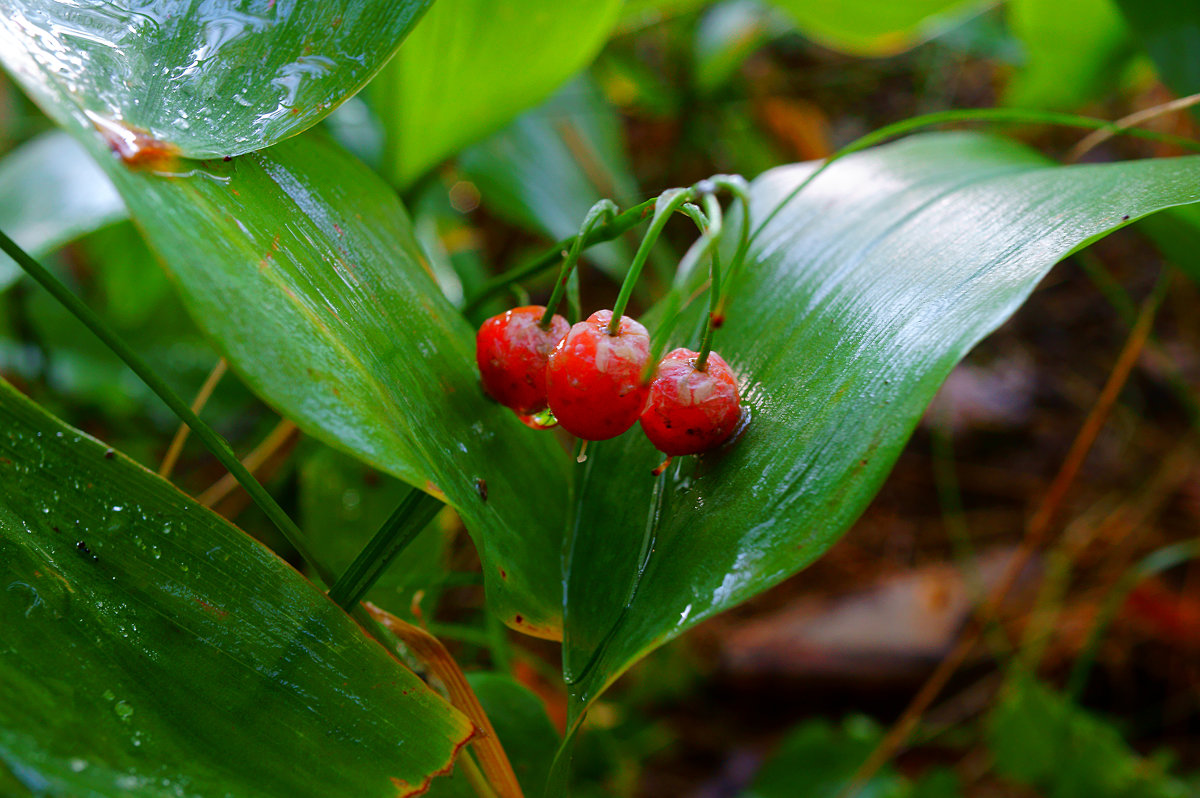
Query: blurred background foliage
x=1089, y=684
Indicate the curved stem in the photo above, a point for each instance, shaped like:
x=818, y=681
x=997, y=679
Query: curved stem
x=215, y=443
x=607, y=232
x=1000, y=115
x=714, y=289
x=605, y=210
x=667, y=203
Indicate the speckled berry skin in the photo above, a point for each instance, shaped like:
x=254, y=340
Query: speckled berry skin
x=511, y=351
x=691, y=411
x=593, y=379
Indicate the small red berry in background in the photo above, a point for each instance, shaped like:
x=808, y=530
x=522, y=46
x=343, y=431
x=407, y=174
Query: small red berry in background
x=691, y=411
x=593, y=379
x=511, y=350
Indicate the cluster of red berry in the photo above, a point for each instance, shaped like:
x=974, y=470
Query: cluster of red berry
x=591, y=380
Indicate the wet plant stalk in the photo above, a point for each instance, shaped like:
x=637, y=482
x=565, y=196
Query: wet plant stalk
x=215, y=443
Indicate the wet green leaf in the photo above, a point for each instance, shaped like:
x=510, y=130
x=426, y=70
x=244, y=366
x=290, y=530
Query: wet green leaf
x=1075, y=51
x=150, y=648
x=875, y=27
x=300, y=265
x=51, y=192
x=211, y=78
x=472, y=65
x=856, y=302
x=547, y=169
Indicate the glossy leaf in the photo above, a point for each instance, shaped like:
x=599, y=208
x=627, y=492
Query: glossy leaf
x=472, y=65
x=875, y=27
x=855, y=303
x=151, y=648
x=300, y=264
x=1170, y=33
x=209, y=78
x=547, y=169
x=51, y=192
x=1075, y=51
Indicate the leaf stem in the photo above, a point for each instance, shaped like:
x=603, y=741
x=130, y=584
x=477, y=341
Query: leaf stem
x=215, y=443
x=606, y=232
x=408, y=519
x=605, y=210
x=666, y=204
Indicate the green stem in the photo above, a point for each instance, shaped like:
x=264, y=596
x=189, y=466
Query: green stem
x=714, y=289
x=738, y=187
x=618, y=226
x=1000, y=115
x=402, y=526
x=606, y=210
x=667, y=203
x=214, y=442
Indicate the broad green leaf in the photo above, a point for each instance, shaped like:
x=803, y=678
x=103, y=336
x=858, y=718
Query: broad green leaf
x=1075, y=51
x=300, y=264
x=1041, y=739
x=152, y=649
x=875, y=27
x=855, y=303
x=51, y=192
x=343, y=502
x=550, y=166
x=209, y=78
x=1170, y=33
x=472, y=65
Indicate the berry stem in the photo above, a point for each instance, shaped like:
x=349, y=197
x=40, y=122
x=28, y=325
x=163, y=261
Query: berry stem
x=667, y=203
x=603, y=211
x=714, y=289
x=607, y=232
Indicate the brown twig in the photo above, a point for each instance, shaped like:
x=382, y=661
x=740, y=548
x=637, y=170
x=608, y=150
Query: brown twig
x=181, y=434
x=1098, y=137
x=1035, y=534
x=276, y=440
x=427, y=648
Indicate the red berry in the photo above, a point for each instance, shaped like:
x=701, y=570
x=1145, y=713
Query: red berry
x=511, y=350
x=691, y=411
x=594, y=380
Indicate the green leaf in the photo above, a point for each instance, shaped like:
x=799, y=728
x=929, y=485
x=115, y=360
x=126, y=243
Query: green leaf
x=342, y=504
x=1041, y=739
x=151, y=648
x=320, y=300
x=547, y=169
x=1075, y=51
x=727, y=35
x=1170, y=33
x=472, y=65
x=51, y=192
x=875, y=27
x=210, y=78
x=855, y=303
